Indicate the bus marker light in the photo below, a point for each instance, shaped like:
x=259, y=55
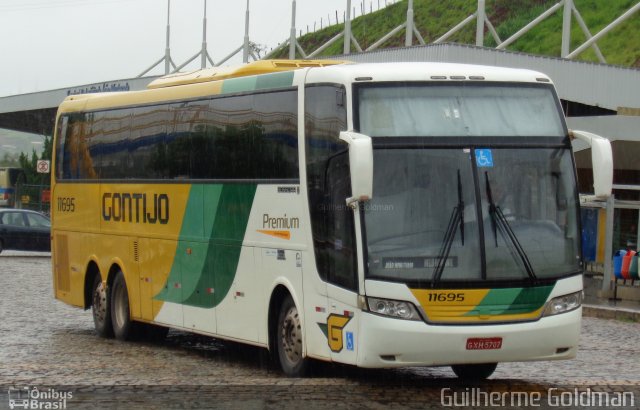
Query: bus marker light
x=210, y=291
x=320, y=309
x=484, y=343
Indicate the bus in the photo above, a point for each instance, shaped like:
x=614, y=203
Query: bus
x=377, y=215
x=8, y=180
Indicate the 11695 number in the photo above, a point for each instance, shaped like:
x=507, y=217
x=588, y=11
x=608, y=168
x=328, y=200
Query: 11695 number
x=446, y=297
x=66, y=204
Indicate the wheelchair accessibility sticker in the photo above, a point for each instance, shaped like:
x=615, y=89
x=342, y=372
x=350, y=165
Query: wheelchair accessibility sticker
x=484, y=158
x=350, y=341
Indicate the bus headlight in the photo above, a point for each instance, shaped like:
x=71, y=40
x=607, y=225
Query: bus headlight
x=563, y=304
x=393, y=308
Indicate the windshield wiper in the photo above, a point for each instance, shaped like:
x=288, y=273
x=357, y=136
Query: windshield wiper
x=500, y=222
x=456, y=219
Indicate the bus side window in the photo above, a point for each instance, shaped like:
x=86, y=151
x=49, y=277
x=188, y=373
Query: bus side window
x=60, y=142
x=329, y=185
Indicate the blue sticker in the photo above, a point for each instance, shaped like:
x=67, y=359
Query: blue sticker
x=484, y=157
x=350, y=341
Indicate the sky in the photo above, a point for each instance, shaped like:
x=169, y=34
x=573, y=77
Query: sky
x=49, y=44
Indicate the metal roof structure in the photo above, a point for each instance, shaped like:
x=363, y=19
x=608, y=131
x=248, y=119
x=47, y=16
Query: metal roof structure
x=35, y=112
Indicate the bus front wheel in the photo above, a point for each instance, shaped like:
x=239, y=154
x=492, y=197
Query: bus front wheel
x=122, y=323
x=289, y=340
x=100, y=308
x=474, y=372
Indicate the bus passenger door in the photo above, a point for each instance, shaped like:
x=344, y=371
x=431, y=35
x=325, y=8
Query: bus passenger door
x=341, y=264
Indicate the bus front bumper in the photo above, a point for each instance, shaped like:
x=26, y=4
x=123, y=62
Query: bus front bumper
x=388, y=342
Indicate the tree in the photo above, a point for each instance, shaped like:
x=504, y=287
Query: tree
x=9, y=160
x=29, y=165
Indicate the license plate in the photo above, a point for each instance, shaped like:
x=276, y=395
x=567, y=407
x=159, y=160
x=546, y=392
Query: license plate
x=484, y=343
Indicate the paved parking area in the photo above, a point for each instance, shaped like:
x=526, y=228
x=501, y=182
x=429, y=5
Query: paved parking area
x=47, y=345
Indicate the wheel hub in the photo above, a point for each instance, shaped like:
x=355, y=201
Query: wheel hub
x=100, y=303
x=291, y=336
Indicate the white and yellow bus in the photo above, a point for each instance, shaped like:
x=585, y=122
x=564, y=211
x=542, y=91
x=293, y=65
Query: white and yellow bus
x=379, y=215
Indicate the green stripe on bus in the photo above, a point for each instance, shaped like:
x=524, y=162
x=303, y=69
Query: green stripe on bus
x=495, y=300
x=261, y=82
x=512, y=301
x=529, y=300
x=205, y=270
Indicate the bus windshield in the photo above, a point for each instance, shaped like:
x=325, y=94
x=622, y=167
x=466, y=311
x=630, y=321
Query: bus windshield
x=464, y=109
x=502, y=213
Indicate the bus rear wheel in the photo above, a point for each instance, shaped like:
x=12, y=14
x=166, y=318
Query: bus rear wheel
x=100, y=308
x=120, y=317
x=474, y=372
x=289, y=340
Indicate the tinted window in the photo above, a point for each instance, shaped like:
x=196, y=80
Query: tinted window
x=329, y=185
x=13, y=219
x=74, y=157
x=229, y=137
x=108, y=142
x=147, y=142
x=37, y=220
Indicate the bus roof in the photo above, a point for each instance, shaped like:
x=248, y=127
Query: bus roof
x=209, y=82
x=423, y=71
x=223, y=73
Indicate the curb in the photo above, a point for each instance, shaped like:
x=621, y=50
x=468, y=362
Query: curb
x=606, y=312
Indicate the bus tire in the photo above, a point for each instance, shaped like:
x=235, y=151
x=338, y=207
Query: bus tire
x=289, y=340
x=100, y=308
x=123, y=327
x=474, y=372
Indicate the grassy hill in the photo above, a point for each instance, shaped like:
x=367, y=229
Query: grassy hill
x=434, y=18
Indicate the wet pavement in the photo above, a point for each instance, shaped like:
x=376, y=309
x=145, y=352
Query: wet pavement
x=49, y=346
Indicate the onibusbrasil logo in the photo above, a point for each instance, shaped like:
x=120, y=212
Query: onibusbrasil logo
x=34, y=398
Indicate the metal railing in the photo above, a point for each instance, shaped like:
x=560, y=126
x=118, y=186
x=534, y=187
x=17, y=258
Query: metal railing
x=33, y=197
x=610, y=205
x=482, y=22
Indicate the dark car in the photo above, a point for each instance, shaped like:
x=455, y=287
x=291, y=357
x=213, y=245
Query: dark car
x=24, y=230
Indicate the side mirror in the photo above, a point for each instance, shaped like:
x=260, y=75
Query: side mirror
x=602, y=160
x=360, y=165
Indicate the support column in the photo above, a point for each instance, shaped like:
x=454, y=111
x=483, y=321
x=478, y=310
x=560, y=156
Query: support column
x=409, y=37
x=480, y=23
x=245, y=49
x=608, y=246
x=292, y=37
x=167, y=49
x=203, y=53
x=566, y=28
x=347, y=30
